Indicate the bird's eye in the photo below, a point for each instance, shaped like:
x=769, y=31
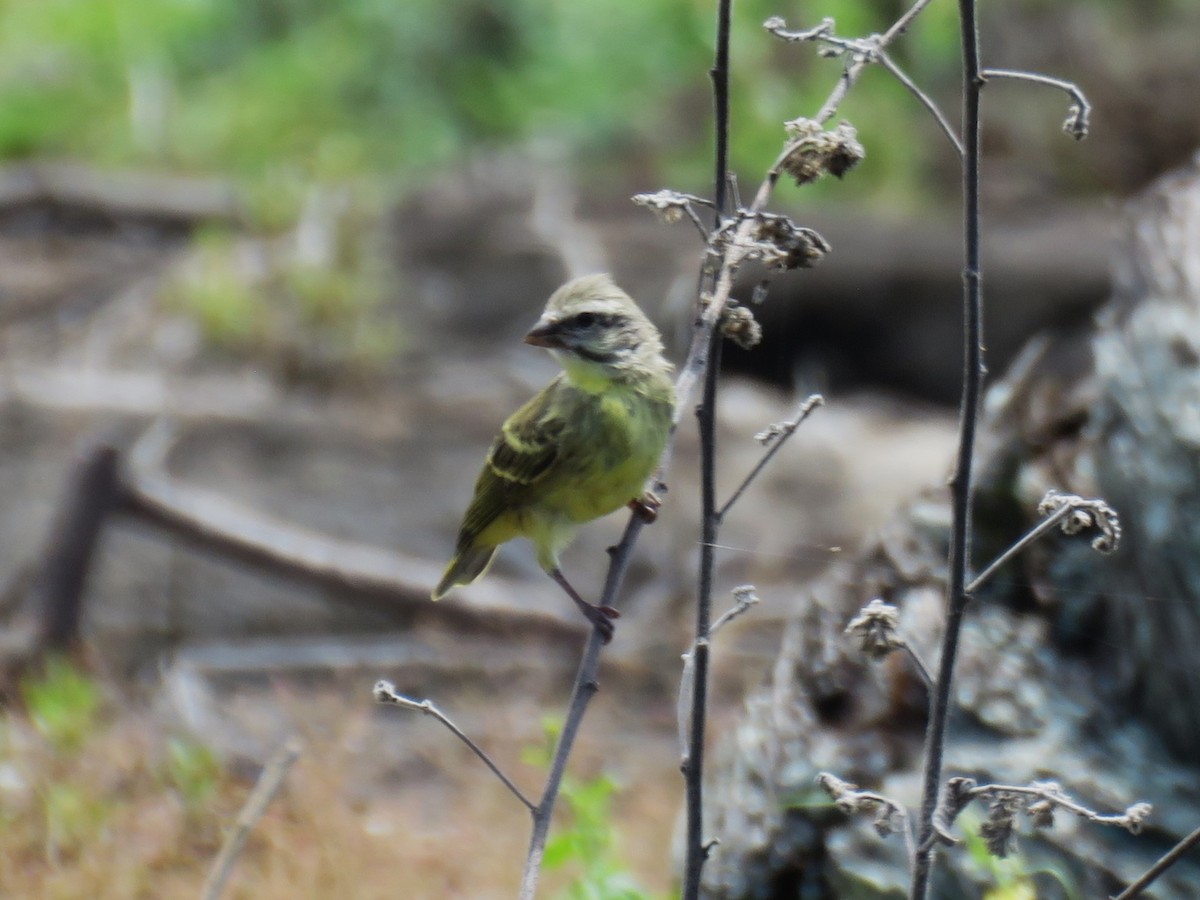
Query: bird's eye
x=586, y=320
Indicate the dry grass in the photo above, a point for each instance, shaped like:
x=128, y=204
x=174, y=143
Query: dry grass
x=381, y=804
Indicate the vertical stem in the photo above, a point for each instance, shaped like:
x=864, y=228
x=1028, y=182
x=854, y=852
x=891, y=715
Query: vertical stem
x=960, y=538
x=706, y=414
x=693, y=767
x=720, y=79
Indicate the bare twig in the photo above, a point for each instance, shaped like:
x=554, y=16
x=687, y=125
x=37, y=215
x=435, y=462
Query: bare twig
x=720, y=81
x=693, y=762
x=1029, y=537
x=861, y=52
x=1075, y=514
x=385, y=692
x=925, y=100
x=1038, y=800
x=902, y=24
x=744, y=597
x=918, y=664
x=584, y=689
x=961, y=486
x=890, y=816
x=268, y=785
x=1077, y=121
x=696, y=849
x=671, y=206
x=773, y=438
x=1165, y=862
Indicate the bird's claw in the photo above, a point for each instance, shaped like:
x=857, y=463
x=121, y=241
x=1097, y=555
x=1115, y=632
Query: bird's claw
x=601, y=618
x=647, y=506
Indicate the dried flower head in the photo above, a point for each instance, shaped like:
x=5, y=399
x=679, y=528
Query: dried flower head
x=1085, y=515
x=999, y=830
x=877, y=628
x=1041, y=813
x=1076, y=124
x=847, y=151
x=812, y=151
x=745, y=595
x=740, y=326
x=667, y=205
x=782, y=244
x=958, y=793
x=888, y=820
x=1136, y=816
x=843, y=793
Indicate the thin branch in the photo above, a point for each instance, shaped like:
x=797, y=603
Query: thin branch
x=1165, y=862
x=862, y=52
x=695, y=848
x=961, y=484
x=890, y=816
x=584, y=689
x=744, y=597
x=1075, y=514
x=693, y=762
x=268, y=785
x=720, y=80
x=1038, y=800
x=773, y=438
x=385, y=692
x=925, y=100
x=1077, y=121
x=918, y=664
x=902, y=24
x=1030, y=536
x=965, y=789
x=671, y=206
x=853, y=69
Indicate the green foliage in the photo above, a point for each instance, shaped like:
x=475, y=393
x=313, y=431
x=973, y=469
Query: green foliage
x=63, y=704
x=336, y=90
x=229, y=311
x=194, y=771
x=74, y=813
x=587, y=846
x=317, y=321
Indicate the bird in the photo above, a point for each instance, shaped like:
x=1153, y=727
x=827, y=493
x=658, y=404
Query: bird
x=582, y=447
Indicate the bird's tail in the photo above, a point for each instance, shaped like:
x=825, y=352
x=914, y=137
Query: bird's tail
x=464, y=568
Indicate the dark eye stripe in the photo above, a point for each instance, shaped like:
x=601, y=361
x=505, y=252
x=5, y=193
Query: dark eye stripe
x=588, y=319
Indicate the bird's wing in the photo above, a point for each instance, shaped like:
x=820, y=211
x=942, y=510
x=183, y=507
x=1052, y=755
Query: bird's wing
x=526, y=449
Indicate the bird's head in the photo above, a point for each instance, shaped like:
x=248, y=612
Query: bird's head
x=595, y=329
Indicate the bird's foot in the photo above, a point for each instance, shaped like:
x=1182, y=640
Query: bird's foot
x=601, y=618
x=647, y=506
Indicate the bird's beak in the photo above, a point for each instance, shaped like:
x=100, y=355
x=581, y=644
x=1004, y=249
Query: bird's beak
x=546, y=333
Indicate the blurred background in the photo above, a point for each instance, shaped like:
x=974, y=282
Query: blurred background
x=277, y=257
